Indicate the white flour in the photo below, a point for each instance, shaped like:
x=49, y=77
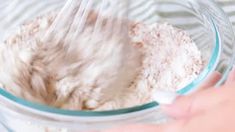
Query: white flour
x=97, y=77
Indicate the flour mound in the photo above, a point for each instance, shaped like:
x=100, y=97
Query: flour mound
x=103, y=76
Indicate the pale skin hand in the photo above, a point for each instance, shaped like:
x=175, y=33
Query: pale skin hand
x=208, y=110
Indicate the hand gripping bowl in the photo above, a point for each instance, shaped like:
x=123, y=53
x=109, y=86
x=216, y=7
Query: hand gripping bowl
x=205, y=22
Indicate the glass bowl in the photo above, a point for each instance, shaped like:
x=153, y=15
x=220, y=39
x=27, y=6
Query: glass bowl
x=205, y=22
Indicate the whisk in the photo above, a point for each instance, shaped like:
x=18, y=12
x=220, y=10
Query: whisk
x=89, y=23
x=107, y=16
x=101, y=29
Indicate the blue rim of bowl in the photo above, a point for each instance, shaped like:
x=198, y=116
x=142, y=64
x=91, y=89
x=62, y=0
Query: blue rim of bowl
x=52, y=110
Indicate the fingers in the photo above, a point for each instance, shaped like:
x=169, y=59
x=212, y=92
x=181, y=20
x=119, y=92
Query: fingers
x=184, y=109
x=188, y=106
x=218, y=119
x=182, y=105
x=179, y=109
x=209, y=82
x=231, y=76
x=205, y=98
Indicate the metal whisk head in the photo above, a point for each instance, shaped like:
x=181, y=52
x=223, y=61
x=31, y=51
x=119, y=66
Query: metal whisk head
x=96, y=33
x=93, y=17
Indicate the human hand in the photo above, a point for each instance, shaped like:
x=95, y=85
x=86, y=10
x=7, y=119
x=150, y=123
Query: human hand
x=208, y=110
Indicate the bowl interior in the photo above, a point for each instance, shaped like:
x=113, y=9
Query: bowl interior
x=185, y=15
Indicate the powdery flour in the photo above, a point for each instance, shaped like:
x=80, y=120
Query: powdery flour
x=97, y=77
